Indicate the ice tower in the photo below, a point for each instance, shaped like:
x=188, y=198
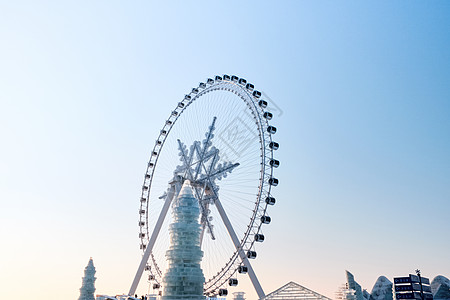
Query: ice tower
x=87, y=287
x=184, y=278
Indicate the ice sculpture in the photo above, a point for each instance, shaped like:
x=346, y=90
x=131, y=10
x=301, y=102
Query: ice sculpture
x=353, y=285
x=443, y=293
x=382, y=290
x=201, y=164
x=87, y=287
x=184, y=278
x=440, y=286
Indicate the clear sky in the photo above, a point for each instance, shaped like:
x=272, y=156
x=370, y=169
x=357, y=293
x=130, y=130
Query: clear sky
x=364, y=128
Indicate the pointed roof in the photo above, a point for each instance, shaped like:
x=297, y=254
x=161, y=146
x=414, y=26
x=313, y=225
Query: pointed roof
x=186, y=189
x=294, y=291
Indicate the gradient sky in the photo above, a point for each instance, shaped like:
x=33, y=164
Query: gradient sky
x=364, y=129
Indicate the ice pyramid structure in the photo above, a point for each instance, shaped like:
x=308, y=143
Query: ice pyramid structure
x=87, y=287
x=184, y=278
x=292, y=291
x=382, y=290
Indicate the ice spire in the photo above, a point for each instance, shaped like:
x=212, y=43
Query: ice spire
x=87, y=287
x=353, y=285
x=184, y=278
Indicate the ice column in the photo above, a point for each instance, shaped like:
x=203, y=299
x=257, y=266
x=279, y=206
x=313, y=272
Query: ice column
x=184, y=278
x=87, y=287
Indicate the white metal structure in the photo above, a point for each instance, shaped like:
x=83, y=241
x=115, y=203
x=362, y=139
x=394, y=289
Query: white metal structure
x=231, y=167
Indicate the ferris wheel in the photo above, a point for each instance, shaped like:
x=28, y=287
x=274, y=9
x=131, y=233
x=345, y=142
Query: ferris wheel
x=219, y=138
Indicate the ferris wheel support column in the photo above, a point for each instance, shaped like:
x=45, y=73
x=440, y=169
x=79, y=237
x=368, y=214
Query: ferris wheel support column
x=175, y=188
x=236, y=243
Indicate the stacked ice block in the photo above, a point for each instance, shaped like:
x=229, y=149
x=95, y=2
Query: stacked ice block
x=87, y=288
x=184, y=278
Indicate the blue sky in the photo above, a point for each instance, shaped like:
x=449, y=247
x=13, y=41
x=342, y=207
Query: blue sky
x=364, y=128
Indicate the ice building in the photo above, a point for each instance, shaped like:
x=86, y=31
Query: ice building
x=184, y=278
x=87, y=286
